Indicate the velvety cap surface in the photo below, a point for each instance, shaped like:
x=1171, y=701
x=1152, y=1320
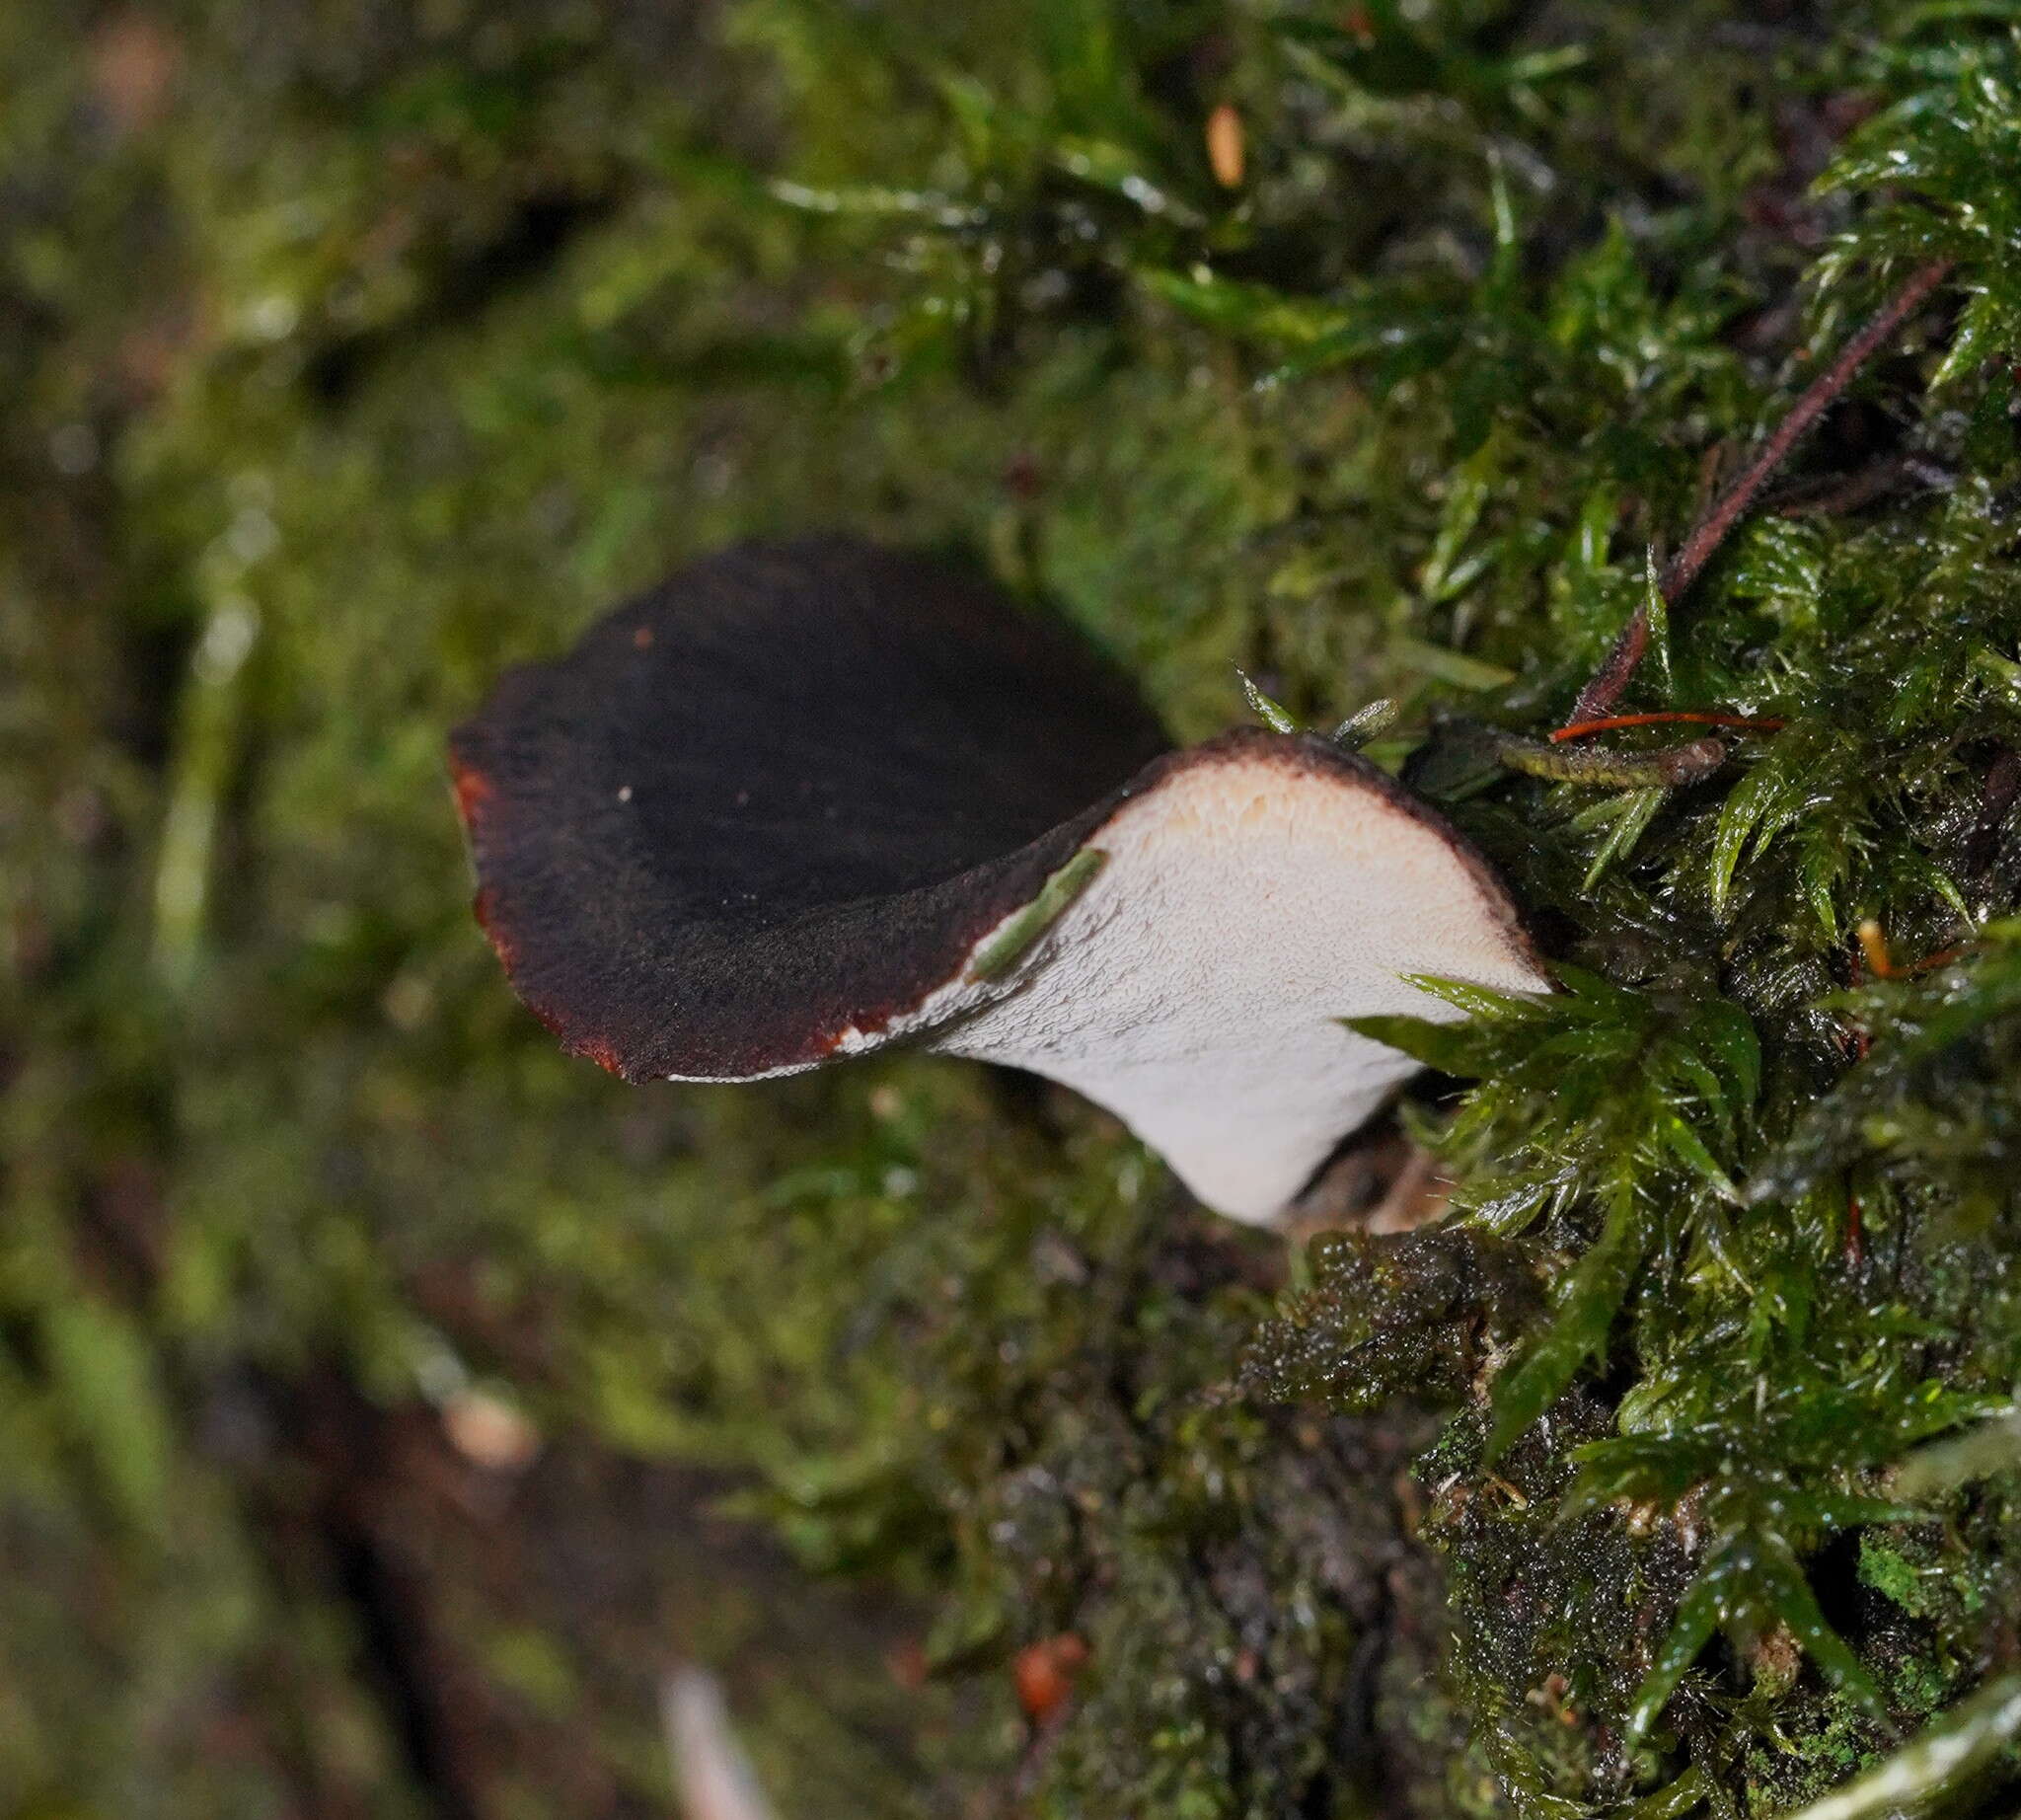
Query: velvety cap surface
x=779, y=798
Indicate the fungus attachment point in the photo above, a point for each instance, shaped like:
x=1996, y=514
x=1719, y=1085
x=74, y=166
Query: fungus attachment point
x=809, y=798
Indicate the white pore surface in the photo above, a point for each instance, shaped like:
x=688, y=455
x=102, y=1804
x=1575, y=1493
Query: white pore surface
x=1195, y=987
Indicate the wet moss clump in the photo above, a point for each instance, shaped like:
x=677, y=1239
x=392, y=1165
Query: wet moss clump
x=388, y=1401
x=1425, y=1315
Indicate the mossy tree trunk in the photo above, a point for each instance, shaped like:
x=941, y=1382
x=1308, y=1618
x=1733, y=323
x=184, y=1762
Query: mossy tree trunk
x=387, y=1399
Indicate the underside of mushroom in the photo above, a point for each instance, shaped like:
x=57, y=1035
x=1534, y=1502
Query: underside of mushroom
x=809, y=798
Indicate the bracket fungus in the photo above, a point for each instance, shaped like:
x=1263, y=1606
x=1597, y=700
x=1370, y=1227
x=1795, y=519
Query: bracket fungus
x=809, y=798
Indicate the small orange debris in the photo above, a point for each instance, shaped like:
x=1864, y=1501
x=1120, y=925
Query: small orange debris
x=1226, y=151
x=134, y=61
x=490, y=1432
x=1044, y=1673
x=1873, y=943
x=906, y=1661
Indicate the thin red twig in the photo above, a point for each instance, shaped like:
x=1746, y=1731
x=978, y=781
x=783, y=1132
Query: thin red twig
x=1606, y=686
x=1760, y=724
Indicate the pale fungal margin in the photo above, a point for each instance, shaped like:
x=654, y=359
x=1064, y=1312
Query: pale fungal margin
x=809, y=799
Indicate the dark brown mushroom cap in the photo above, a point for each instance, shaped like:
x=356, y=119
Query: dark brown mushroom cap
x=812, y=797
x=781, y=799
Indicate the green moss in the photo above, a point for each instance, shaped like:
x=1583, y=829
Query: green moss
x=1887, y=1571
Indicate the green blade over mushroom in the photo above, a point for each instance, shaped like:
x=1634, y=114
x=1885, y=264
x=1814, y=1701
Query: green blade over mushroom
x=809, y=798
